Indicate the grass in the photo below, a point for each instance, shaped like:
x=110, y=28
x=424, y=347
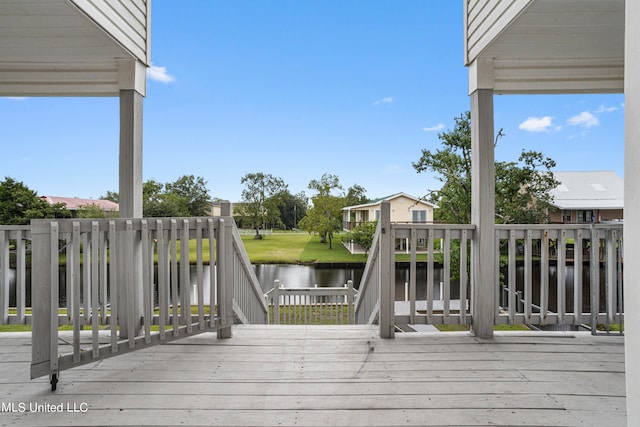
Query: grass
x=304, y=248
x=298, y=248
x=317, y=314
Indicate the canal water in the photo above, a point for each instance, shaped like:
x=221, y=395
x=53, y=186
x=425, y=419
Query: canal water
x=309, y=276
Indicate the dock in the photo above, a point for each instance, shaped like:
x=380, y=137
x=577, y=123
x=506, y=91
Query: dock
x=330, y=375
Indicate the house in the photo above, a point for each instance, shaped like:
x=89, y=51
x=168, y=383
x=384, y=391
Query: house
x=75, y=204
x=404, y=209
x=587, y=197
x=552, y=47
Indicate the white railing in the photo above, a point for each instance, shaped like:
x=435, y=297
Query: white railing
x=111, y=280
x=591, y=295
x=545, y=275
x=14, y=242
x=453, y=303
x=248, y=302
x=311, y=306
x=368, y=302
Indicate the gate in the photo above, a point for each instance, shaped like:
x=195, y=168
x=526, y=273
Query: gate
x=129, y=286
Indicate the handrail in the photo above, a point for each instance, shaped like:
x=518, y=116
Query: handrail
x=368, y=302
x=249, y=304
x=317, y=305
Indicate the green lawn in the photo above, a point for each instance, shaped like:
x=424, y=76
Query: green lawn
x=294, y=248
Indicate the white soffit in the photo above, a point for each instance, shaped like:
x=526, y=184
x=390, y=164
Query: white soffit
x=568, y=46
x=51, y=48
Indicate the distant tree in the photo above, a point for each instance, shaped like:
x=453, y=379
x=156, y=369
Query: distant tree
x=522, y=188
x=193, y=193
x=260, y=200
x=293, y=207
x=112, y=196
x=94, y=211
x=356, y=195
x=325, y=217
x=19, y=204
x=187, y=196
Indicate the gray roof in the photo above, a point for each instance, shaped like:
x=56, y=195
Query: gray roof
x=588, y=190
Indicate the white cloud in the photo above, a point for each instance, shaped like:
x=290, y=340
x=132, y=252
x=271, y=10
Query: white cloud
x=437, y=127
x=16, y=98
x=585, y=119
x=603, y=109
x=387, y=100
x=159, y=74
x=538, y=124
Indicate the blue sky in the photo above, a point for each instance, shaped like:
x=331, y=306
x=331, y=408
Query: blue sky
x=297, y=89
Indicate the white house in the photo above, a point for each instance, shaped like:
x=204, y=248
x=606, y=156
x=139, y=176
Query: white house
x=404, y=208
x=587, y=197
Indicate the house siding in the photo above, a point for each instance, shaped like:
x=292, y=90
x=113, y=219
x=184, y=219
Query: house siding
x=127, y=21
x=485, y=19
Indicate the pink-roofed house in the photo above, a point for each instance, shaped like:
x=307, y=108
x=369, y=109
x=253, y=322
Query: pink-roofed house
x=75, y=204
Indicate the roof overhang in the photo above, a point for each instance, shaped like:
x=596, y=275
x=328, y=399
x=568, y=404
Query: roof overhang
x=545, y=46
x=63, y=48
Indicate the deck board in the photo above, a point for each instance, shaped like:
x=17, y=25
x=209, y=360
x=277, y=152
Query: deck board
x=314, y=376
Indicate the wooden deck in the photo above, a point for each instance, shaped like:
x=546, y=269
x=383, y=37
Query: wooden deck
x=332, y=375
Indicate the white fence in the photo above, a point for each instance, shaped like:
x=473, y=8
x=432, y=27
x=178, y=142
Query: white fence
x=311, y=306
x=112, y=279
x=545, y=275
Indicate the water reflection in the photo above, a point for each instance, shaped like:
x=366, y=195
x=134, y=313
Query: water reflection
x=309, y=276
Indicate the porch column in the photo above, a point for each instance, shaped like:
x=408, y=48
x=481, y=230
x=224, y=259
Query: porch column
x=130, y=197
x=483, y=261
x=132, y=90
x=387, y=264
x=631, y=209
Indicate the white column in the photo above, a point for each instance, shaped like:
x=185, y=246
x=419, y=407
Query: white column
x=387, y=265
x=631, y=207
x=132, y=90
x=482, y=198
x=130, y=197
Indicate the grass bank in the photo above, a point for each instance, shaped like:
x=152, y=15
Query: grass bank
x=298, y=248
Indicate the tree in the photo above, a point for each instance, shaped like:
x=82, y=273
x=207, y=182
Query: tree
x=293, y=207
x=19, y=204
x=192, y=192
x=356, y=195
x=156, y=202
x=112, y=196
x=325, y=217
x=260, y=199
x=186, y=196
x=522, y=188
x=362, y=235
x=94, y=211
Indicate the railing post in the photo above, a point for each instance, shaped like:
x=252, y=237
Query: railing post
x=4, y=277
x=350, y=301
x=387, y=268
x=225, y=208
x=276, y=302
x=225, y=278
x=41, y=298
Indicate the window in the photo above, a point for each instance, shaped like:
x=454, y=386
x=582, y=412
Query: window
x=377, y=214
x=419, y=216
x=585, y=216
